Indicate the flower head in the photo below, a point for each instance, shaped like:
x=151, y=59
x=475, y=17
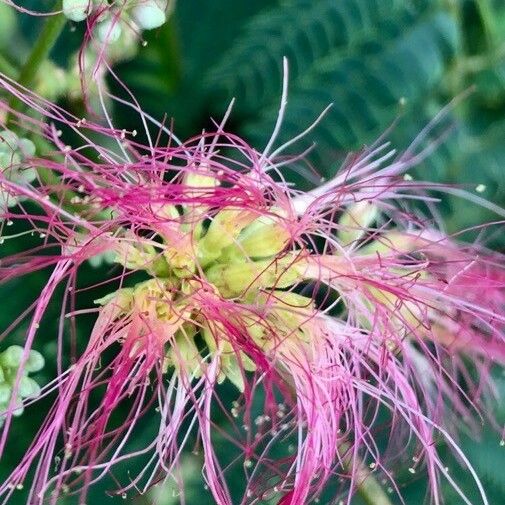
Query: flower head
x=327, y=307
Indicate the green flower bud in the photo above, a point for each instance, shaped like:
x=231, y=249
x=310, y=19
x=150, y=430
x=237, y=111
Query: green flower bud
x=109, y=30
x=19, y=408
x=35, y=362
x=8, y=141
x=231, y=366
x=223, y=232
x=11, y=357
x=185, y=354
x=28, y=387
x=76, y=10
x=234, y=279
x=264, y=237
x=27, y=148
x=123, y=298
x=165, y=211
x=52, y=81
x=5, y=395
x=231, y=369
x=355, y=220
x=105, y=258
x=150, y=14
x=12, y=151
x=142, y=257
x=10, y=160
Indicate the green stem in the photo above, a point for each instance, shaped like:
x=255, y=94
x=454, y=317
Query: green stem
x=367, y=487
x=371, y=491
x=43, y=45
x=7, y=68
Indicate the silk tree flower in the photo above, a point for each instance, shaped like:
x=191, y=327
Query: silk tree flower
x=328, y=307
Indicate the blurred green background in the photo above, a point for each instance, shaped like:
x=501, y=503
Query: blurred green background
x=377, y=60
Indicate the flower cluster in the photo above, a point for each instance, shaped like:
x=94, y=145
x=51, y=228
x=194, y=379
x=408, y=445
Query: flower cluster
x=146, y=14
x=11, y=360
x=112, y=34
x=323, y=309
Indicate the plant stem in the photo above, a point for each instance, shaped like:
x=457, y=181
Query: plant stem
x=43, y=45
x=371, y=491
x=7, y=68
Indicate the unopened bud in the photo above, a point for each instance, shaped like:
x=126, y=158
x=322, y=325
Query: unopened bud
x=150, y=14
x=27, y=147
x=11, y=357
x=76, y=10
x=264, y=237
x=185, y=355
x=198, y=181
x=35, y=362
x=8, y=140
x=142, y=257
x=355, y=221
x=223, y=232
x=234, y=279
x=28, y=387
x=5, y=394
x=109, y=30
x=181, y=261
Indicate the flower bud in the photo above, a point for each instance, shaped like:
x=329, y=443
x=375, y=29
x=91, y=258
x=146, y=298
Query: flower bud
x=234, y=279
x=11, y=357
x=18, y=408
x=122, y=298
x=223, y=232
x=109, y=30
x=185, y=355
x=105, y=258
x=8, y=141
x=10, y=360
x=150, y=14
x=9, y=160
x=76, y=10
x=198, y=181
x=264, y=237
x=181, y=261
x=355, y=221
x=5, y=394
x=35, y=362
x=232, y=366
x=28, y=387
x=27, y=148
x=141, y=257
x=12, y=151
x=165, y=211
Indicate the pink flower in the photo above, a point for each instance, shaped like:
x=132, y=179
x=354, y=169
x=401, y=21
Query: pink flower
x=330, y=307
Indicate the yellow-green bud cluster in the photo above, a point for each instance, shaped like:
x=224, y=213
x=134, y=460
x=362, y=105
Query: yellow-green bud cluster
x=239, y=253
x=10, y=361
